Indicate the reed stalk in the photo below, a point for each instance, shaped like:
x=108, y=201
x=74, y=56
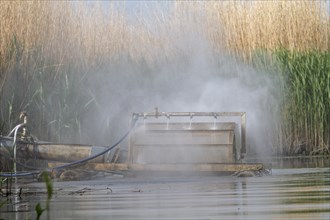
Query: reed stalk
x=49, y=50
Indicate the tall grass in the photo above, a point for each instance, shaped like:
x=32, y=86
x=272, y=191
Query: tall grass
x=50, y=49
x=47, y=48
x=306, y=111
x=295, y=36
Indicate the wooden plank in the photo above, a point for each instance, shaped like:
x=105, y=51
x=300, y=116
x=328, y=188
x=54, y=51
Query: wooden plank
x=196, y=167
x=216, y=167
x=176, y=143
x=95, y=166
x=183, y=137
x=183, y=154
x=64, y=152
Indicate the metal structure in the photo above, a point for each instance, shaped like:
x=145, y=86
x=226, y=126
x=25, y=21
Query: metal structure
x=158, y=141
x=186, y=144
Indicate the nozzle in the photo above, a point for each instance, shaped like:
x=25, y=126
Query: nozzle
x=156, y=112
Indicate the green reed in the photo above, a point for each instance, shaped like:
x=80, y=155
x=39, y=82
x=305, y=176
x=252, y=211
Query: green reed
x=51, y=93
x=306, y=107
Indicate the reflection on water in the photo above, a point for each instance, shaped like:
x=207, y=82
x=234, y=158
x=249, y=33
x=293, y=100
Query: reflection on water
x=294, y=162
x=294, y=193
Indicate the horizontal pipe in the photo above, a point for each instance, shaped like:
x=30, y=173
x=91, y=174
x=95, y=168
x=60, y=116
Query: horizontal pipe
x=53, y=151
x=186, y=114
x=66, y=153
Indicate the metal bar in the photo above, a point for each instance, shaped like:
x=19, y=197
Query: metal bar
x=157, y=114
x=243, y=135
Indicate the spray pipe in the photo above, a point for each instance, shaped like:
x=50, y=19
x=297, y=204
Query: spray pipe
x=156, y=112
x=191, y=116
x=15, y=131
x=23, y=116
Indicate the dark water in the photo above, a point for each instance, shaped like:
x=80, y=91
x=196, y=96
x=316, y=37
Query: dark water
x=289, y=193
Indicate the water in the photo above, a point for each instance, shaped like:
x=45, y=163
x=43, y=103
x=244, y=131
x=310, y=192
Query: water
x=215, y=123
x=167, y=123
x=289, y=193
x=190, y=121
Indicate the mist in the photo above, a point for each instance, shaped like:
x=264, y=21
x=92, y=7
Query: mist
x=82, y=94
x=200, y=81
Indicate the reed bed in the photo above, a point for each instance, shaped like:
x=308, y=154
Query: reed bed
x=306, y=111
x=49, y=50
x=248, y=26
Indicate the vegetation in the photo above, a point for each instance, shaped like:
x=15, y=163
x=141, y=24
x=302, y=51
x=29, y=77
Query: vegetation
x=50, y=51
x=271, y=25
x=306, y=114
x=38, y=208
x=49, y=187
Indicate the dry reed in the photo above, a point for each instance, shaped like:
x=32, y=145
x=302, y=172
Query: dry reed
x=67, y=30
x=43, y=36
x=250, y=25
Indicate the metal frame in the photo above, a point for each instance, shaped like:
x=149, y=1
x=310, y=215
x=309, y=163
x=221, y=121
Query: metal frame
x=157, y=114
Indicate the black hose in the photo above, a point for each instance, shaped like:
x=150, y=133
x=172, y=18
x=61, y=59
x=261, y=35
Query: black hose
x=92, y=157
x=74, y=162
x=20, y=164
x=19, y=174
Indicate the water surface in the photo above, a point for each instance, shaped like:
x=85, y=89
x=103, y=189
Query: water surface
x=289, y=193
